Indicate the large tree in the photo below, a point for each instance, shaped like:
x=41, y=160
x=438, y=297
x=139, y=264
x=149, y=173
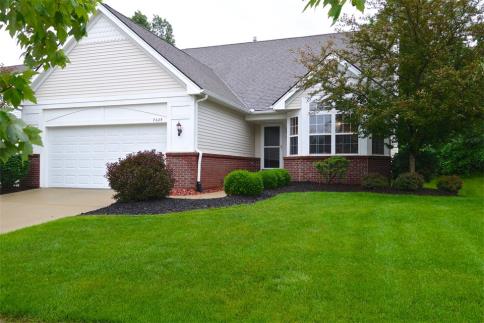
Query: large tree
x=418, y=76
x=41, y=27
x=158, y=26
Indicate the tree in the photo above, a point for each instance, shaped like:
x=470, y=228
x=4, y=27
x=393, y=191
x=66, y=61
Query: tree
x=158, y=26
x=419, y=72
x=41, y=28
x=335, y=6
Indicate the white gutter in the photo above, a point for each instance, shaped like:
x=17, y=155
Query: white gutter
x=200, y=153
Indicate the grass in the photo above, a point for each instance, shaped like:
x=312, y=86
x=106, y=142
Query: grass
x=296, y=257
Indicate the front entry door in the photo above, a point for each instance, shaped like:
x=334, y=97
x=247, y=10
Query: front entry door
x=272, y=147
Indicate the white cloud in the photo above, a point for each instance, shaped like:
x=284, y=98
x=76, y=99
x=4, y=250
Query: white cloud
x=213, y=22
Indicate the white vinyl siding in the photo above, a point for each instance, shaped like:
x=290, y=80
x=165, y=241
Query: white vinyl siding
x=295, y=101
x=107, y=63
x=222, y=131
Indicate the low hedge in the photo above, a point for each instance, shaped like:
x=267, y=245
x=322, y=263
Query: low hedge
x=451, y=184
x=274, y=178
x=242, y=182
x=374, y=181
x=409, y=182
x=12, y=171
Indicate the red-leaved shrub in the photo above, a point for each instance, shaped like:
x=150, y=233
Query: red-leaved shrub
x=140, y=176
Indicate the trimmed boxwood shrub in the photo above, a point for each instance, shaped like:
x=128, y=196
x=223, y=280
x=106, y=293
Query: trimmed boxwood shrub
x=140, y=177
x=451, y=184
x=284, y=176
x=12, y=171
x=409, y=182
x=270, y=178
x=374, y=181
x=242, y=182
x=274, y=178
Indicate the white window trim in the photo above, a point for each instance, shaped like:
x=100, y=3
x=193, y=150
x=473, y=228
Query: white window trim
x=281, y=160
x=293, y=136
x=333, y=112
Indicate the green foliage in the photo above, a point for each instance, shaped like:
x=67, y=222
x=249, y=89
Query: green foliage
x=41, y=28
x=375, y=181
x=284, y=176
x=141, y=19
x=273, y=178
x=12, y=171
x=242, y=182
x=16, y=137
x=409, y=182
x=420, y=71
x=427, y=162
x=332, y=168
x=140, y=177
x=270, y=178
x=464, y=154
x=335, y=6
x=451, y=184
x=158, y=26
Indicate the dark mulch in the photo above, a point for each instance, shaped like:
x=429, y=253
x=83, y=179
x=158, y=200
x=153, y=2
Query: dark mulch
x=170, y=205
x=12, y=190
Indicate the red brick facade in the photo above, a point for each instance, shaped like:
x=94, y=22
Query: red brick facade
x=32, y=180
x=302, y=168
x=214, y=168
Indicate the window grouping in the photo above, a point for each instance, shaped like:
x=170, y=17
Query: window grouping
x=322, y=132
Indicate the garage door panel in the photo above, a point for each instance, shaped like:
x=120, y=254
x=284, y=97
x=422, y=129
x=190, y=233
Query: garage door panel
x=77, y=156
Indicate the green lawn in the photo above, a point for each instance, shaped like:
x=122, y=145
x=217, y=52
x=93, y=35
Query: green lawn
x=296, y=257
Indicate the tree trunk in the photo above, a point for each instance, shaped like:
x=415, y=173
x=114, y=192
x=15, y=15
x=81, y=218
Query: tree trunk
x=411, y=162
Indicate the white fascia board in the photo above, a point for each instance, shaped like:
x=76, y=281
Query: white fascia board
x=266, y=116
x=192, y=88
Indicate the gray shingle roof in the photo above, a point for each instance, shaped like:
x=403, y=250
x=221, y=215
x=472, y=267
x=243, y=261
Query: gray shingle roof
x=261, y=72
x=199, y=73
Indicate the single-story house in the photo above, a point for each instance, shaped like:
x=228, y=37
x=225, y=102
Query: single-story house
x=209, y=109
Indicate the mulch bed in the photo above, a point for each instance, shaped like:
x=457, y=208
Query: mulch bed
x=170, y=205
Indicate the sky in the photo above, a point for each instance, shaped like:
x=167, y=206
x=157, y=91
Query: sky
x=199, y=23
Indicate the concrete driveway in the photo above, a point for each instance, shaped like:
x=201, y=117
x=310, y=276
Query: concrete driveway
x=23, y=209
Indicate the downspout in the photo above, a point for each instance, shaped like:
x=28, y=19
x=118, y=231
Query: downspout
x=200, y=153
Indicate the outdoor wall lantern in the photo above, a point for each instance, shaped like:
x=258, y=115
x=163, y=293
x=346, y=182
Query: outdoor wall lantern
x=179, y=128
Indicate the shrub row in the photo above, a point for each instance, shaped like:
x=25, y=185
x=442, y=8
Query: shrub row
x=411, y=182
x=12, y=171
x=243, y=182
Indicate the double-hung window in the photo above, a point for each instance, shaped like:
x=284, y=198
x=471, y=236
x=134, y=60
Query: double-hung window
x=346, y=138
x=293, y=135
x=320, y=133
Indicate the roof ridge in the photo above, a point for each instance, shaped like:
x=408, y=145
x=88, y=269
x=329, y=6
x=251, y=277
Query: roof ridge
x=267, y=40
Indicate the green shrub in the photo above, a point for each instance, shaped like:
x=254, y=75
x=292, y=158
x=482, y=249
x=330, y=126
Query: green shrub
x=242, y=182
x=273, y=178
x=332, y=168
x=140, y=177
x=426, y=163
x=374, y=181
x=12, y=171
x=284, y=176
x=270, y=178
x=464, y=154
x=409, y=182
x=451, y=184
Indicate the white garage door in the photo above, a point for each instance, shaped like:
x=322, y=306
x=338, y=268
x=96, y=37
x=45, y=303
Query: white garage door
x=77, y=156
